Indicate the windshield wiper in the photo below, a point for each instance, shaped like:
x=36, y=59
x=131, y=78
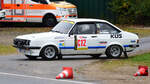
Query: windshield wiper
x=56, y=31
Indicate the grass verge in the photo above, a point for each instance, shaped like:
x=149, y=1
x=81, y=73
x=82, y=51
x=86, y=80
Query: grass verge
x=143, y=59
x=142, y=32
x=7, y=49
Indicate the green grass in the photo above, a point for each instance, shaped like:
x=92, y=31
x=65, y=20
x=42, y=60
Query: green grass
x=143, y=59
x=7, y=35
x=143, y=32
x=7, y=49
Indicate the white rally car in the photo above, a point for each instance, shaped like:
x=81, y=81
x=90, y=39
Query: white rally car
x=78, y=37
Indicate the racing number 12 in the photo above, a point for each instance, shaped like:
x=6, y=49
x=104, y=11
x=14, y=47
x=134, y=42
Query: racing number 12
x=82, y=42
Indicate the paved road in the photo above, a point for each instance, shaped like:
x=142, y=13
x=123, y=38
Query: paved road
x=47, y=70
x=8, y=78
x=18, y=64
x=144, y=46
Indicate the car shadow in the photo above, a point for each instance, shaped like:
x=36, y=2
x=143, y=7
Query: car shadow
x=71, y=58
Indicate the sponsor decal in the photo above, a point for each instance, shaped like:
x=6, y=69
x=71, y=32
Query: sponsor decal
x=103, y=42
x=116, y=36
x=133, y=41
x=80, y=43
x=71, y=22
x=61, y=41
x=61, y=44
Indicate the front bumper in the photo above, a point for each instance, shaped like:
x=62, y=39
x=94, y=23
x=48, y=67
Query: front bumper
x=27, y=47
x=32, y=51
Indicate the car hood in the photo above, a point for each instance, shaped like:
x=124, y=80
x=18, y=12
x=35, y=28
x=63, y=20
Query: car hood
x=39, y=35
x=63, y=4
x=131, y=35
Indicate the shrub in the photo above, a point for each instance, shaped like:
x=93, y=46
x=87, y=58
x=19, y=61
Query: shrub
x=131, y=11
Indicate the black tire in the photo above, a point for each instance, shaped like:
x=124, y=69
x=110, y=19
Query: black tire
x=60, y=57
x=49, y=21
x=31, y=57
x=96, y=55
x=114, y=51
x=49, y=53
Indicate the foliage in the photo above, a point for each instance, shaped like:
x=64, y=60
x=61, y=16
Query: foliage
x=131, y=11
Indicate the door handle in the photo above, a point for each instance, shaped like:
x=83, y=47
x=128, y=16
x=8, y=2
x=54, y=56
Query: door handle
x=18, y=4
x=31, y=5
x=94, y=36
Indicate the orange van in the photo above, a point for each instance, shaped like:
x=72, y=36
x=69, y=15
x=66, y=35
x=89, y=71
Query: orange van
x=48, y=12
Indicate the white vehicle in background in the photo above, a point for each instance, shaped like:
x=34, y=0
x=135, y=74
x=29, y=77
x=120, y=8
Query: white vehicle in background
x=78, y=37
x=48, y=12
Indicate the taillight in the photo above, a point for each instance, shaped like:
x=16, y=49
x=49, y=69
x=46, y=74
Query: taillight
x=138, y=41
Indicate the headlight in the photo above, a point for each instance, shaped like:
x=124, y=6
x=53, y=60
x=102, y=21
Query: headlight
x=72, y=10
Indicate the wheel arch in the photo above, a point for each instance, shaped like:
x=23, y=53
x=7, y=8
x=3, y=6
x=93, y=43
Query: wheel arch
x=115, y=43
x=54, y=45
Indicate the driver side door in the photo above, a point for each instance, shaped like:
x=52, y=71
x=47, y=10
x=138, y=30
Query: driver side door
x=82, y=39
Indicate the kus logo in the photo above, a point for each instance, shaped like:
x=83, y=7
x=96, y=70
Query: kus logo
x=116, y=35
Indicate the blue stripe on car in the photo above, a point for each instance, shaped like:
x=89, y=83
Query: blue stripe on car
x=90, y=47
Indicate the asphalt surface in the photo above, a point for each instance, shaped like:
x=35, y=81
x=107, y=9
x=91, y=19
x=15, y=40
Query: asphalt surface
x=8, y=78
x=17, y=69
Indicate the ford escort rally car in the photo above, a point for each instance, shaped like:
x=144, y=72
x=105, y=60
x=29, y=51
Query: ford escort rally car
x=78, y=37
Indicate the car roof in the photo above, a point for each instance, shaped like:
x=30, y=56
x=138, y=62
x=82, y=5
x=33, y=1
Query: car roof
x=86, y=20
x=91, y=20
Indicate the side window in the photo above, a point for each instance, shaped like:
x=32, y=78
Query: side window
x=40, y=1
x=106, y=28
x=84, y=28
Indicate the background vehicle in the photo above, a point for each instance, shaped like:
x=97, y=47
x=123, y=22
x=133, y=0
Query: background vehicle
x=78, y=37
x=48, y=12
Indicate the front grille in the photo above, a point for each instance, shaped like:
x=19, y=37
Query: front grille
x=72, y=11
x=21, y=42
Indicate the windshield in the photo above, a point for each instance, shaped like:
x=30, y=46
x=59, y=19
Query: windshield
x=40, y=1
x=63, y=27
x=56, y=0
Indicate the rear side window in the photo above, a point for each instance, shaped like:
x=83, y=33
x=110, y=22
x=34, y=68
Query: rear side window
x=106, y=28
x=40, y=1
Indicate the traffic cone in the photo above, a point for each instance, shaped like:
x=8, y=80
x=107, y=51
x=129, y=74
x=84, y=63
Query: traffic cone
x=67, y=73
x=143, y=71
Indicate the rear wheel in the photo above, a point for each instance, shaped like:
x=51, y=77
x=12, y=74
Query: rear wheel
x=31, y=57
x=114, y=51
x=49, y=21
x=49, y=53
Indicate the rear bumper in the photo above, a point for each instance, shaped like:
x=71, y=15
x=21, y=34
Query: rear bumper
x=130, y=48
x=134, y=46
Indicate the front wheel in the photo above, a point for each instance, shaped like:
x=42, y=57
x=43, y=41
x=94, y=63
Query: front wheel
x=49, y=21
x=114, y=51
x=49, y=53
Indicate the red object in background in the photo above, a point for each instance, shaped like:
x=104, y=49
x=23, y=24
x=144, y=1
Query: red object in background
x=143, y=71
x=67, y=73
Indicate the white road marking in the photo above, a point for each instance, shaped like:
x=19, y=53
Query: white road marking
x=36, y=77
